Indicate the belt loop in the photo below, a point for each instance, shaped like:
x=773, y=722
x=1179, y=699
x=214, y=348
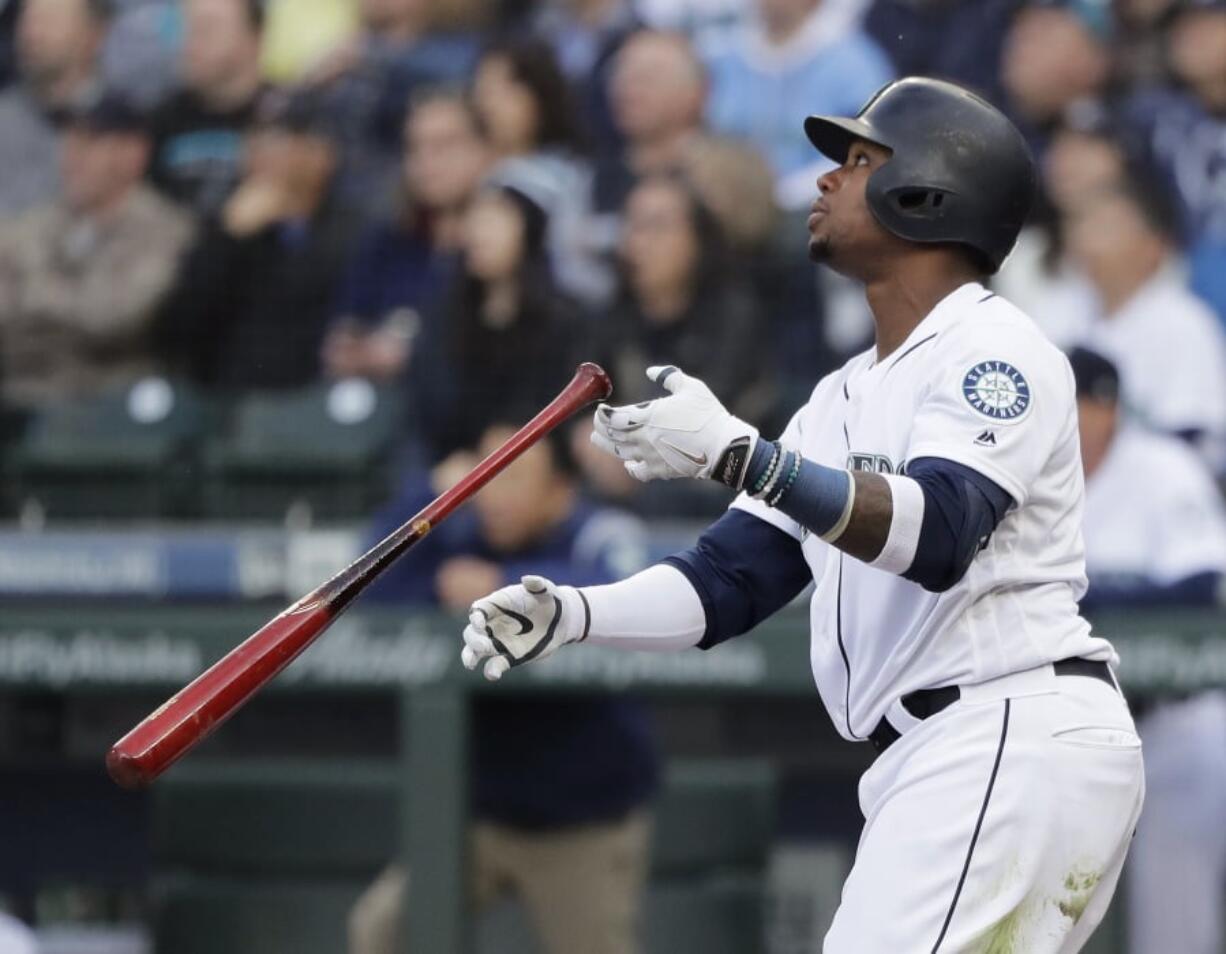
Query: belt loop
x=901, y=718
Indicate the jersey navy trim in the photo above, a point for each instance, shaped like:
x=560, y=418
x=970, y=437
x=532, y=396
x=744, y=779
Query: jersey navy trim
x=838, y=630
x=909, y=350
x=1000, y=749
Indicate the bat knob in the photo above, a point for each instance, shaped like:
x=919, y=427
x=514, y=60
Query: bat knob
x=125, y=770
x=598, y=382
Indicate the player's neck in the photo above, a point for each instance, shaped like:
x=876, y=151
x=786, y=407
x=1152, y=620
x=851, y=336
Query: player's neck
x=904, y=297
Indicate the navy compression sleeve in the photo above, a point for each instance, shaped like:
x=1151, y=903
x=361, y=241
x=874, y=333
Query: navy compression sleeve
x=744, y=570
x=961, y=510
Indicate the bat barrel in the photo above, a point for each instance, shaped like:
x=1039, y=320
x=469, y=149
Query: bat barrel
x=192, y=714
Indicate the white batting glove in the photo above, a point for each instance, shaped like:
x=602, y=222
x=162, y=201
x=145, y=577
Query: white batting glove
x=522, y=622
x=688, y=434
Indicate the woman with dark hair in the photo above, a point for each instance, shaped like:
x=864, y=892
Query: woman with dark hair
x=523, y=99
x=505, y=337
x=682, y=299
x=400, y=266
x=528, y=114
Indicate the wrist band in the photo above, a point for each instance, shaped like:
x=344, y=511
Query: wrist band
x=764, y=480
x=793, y=472
x=775, y=474
x=831, y=535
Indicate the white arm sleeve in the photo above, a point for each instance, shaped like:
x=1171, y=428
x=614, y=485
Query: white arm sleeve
x=656, y=609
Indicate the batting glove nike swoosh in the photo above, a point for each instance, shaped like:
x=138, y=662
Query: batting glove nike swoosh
x=687, y=434
x=520, y=623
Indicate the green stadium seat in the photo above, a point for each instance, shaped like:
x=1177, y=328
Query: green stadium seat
x=327, y=448
x=128, y=453
x=267, y=856
x=272, y=818
x=212, y=915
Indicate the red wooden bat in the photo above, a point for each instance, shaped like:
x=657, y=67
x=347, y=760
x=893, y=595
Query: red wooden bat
x=193, y=713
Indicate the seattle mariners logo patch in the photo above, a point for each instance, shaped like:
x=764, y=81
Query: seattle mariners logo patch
x=997, y=390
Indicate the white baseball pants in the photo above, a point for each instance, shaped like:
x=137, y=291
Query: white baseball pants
x=998, y=825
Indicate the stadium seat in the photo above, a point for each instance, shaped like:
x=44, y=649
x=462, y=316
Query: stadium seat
x=126, y=454
x=326, y=448
x=246, y=861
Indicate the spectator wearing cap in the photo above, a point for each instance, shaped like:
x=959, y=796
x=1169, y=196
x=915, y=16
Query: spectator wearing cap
x=526, y=109
x=254, y=296
x=1055, y=53
x=1155, y=534
x=82, y=275
x=792, y=58
x=1184, y=123
x=58, y=47
x=1169, y=348
x=401, y=47
x=400, y=267
x=199, y=130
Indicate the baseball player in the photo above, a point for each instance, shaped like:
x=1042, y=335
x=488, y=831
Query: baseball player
x=932, y=490
x=1155, y=531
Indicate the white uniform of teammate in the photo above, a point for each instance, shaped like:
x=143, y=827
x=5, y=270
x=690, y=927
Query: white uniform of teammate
x=1153, y=513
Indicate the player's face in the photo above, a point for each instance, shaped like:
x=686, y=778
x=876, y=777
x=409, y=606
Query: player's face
x=1096, y=422
x=842, y=230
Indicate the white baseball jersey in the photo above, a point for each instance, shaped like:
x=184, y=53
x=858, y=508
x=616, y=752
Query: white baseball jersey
x=1153, y=511
x=978, y=384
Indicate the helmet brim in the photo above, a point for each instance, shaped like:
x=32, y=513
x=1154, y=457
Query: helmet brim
x=832, y=136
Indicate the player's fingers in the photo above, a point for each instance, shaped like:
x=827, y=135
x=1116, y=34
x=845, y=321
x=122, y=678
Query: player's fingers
x=639, y=470
x=537, y=587
x=477, y=646
x=496, y=668
x=626, y=419
x=605, y=444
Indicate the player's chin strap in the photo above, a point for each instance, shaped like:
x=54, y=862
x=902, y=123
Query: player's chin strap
x=817, y=497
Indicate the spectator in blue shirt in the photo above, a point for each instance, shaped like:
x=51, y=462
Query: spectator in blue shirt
x=559, y=784
x=794, y=58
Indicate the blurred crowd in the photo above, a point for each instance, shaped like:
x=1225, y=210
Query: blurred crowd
x=459, y=199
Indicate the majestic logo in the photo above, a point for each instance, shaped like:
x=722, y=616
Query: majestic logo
x=987, y=439
x=997, y=390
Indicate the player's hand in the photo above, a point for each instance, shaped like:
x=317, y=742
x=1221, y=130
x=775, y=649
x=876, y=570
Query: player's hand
x=519, y=623
x=687, y=434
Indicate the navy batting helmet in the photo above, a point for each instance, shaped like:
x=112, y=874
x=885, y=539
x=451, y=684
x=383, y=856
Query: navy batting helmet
x=960, y=170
